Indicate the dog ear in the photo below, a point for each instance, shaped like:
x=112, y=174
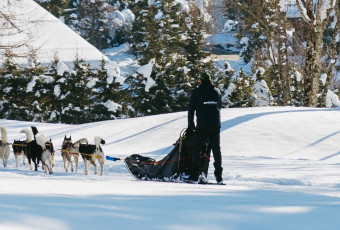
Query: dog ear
x=65, y=137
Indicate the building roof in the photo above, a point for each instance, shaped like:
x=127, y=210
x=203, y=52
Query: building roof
x=33, y=28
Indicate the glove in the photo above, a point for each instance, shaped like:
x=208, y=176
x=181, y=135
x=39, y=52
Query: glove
x=190, y=131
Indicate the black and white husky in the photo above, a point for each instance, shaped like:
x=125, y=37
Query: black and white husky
x=4, y=147
x=20, y=147
x=70, y=150
x=91, y=153
x=40, y=149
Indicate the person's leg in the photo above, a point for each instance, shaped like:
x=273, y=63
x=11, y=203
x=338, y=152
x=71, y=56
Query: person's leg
x=214, y=141
x=199, y=141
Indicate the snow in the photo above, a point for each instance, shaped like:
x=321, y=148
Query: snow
x=42, y=31
x=113, y=72
x=111, y=106
x=332, y=100
x=326, y=6
x=281, y=168
x=31, y=84
x=146, y=71
x=125, y=60
x=128, y=15
x=62, y=68
x=91, y=82
x=57, y=90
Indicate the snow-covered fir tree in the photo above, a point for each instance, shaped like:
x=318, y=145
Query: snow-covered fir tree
x=106, y=94
x=38, y=90
x=164, y=32
x=240, y=91
x=14, y=101
x=75, y=94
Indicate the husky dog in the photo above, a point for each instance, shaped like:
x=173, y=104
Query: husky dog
x=20, y=147
x=91, y=153
x=28, y=141
x=40, y=149
x=48, y=157
x=69, y=150
x=4, y=146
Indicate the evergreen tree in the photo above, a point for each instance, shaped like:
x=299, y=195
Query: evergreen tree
x=57, y=92
x=76, y=94
x=106, y=96
x=13, y=91
x=297, y=88
x=242, y=93
x=261, y=91
x=194, y=52
x=56, y=7
x=37, y=90
x=164, y=32
x=224, y=76
x=8, y=71
x=91, y=22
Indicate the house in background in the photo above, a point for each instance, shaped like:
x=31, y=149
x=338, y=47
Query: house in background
x=28, y=28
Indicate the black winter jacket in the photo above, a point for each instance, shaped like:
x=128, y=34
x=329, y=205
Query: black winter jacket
x=206, y=101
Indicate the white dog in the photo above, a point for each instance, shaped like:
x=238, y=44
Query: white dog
x=4, y=146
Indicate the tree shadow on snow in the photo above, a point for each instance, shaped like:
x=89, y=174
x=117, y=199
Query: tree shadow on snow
x=248, y=117
x=203, y=208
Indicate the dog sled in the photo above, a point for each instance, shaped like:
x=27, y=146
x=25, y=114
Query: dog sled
x=174, y=166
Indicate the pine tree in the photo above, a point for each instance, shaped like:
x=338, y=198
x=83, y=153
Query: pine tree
x=261, y=91
x=56, y=7
x=106, y=96
x=9, y=72
x=224, y=78
x=13, y=91
x=76, y=95
x=164, y=32
x=37, y=90
x=56, y=96
x=297, y=86
x=92, y=20
x=194, y=53
x=242, y=93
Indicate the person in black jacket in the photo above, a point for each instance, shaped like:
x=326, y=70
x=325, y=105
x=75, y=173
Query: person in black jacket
x=206, y=102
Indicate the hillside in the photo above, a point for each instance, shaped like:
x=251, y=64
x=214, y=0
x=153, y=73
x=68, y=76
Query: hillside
x=281, y=168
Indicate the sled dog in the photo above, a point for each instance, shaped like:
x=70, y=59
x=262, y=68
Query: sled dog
x=20, y=147
x=91, y=153
x=40, y=149
x=69, y=150
x=4, y=146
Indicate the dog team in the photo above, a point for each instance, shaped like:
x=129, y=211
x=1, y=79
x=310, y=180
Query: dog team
x=38, y=149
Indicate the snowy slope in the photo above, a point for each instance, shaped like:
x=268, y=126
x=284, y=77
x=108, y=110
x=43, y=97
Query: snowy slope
x=40, y=30
x=281, y=167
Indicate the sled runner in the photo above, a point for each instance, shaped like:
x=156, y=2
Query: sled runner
x=173, y=166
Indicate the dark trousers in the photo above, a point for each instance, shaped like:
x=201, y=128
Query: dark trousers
x=201, y=136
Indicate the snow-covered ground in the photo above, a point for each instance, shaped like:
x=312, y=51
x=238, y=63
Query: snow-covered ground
x=281, y=168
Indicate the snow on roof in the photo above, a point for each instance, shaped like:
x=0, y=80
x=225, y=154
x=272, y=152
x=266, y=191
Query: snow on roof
x=40, y=30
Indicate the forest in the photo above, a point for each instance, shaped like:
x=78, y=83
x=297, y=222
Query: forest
x=294, y=58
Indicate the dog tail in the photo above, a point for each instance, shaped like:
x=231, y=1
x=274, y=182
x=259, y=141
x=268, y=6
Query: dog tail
x=34, y=130
x=3, y=135
x=81, y=141
x=98, y=141
x=41, y=140
x=28, y=134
